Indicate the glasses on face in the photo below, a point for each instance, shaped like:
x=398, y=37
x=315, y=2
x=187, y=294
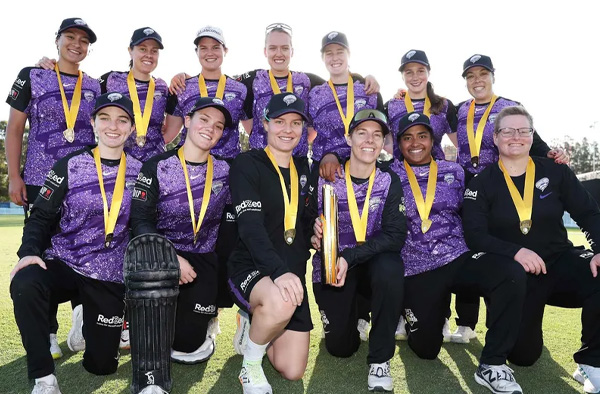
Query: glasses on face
x=278, y=26
x=508, y=132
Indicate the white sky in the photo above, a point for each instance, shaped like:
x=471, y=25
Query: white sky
x=546, y=54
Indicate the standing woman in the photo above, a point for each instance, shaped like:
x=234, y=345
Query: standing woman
x=420, y=97
x=91, y=188
x=267, y=268
x=514, y=208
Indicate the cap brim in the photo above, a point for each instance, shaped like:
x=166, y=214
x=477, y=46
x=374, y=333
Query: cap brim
x=278, y=114
x=384, y=126
x=414, y=61
x=428, y=126
x=138, y=42
x=96, y=110
x=224, y=111
x=210, y=35
x=477, y=65
x=89, y=32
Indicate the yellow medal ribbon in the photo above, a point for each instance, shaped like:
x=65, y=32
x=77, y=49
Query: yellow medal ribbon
x=275, y=86
x=290, y=204
x=476, y=138
x=72, y=111
x=423, y=204
x=349, y=103
x=359, y=222
x=523, y=205
x=141, y=120
x=205, y=195
x=110, y=217
x=220, y=87
x=410, y=107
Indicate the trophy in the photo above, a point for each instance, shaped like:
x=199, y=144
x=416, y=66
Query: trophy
x=329, y=242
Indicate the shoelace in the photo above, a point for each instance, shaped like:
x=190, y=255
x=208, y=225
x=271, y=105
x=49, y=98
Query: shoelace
x=380, y=370
x=502, y=372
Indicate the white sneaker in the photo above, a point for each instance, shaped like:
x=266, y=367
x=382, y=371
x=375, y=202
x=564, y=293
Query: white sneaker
x=588, y=376
x=55, y=350
x=363, y=328
x=242, y=333
x=153, y=389
x=253, y=379
x=401, y=330
x=498, y=379
x=125, y=344
x=380, y=377
x=463, y=334
x=201, y=354
x=43, y=387
x=446, y=331
x=75, y=339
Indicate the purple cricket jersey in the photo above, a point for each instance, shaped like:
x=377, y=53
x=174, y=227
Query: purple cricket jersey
x=326, y=118
x=346, y=237
x=261, y=87
x=444, y=241
x=80, y=240
x=228, y=146
x=488, y=153
x=439, y=123
x=155, y=144
x=41, y=100
x=173, y=210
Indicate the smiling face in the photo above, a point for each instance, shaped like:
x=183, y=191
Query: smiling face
x=145, y=56
x=284, y=132
x=336, y=57
x=210, y=53
x=73, y=45
x=365, y=141
x=416, y=144
x=516, y=146
x=279, y=52
x=113, y=126
x=480, y=83
x=205, y=128
x=415, y=77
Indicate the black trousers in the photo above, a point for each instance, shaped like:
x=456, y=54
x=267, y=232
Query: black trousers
x=226, y=241
x=32, y=288
x=384, y=276
x=501, y=280
x=196, y=303
x=569, y=283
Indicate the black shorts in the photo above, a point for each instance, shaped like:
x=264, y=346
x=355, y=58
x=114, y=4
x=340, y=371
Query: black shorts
x=241, y=286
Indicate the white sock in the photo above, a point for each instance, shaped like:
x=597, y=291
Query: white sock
x=254, y=352
x=48, y=379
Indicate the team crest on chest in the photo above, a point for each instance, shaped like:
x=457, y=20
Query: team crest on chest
x=217, y=186
x=303, y=180
x=449, y=178
x=157, y=95
x=89, y=96
x=492, y=118
x=542, y=184
x=229, y=96
x=374, y=203
x=298, y=90
x=360, y=103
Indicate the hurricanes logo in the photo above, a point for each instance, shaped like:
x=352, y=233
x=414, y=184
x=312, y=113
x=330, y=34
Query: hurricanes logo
x=217, y=186
x=218, y=101
x=586, y=255
x=324, y=319
x=80, y=22
x=410, y=317
x=332, y=35
x=402, y=207
x=410, y=54
x=89, y=96
x=298, y=90
x=449, y=178
x=542, y=184
x=360, y=103
x=148, y=31
x=475, y=58
x=477, y=255
x=229, y=96
x=114, y=97
x=374, y=204
x=413, y=117
x=289, y=99
x=303, y=180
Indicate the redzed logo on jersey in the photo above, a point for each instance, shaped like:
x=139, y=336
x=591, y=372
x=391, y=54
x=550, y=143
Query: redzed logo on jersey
x=140, y=195
x=46, y=192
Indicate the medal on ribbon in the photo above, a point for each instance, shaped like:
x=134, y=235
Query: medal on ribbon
x=346, y=119
x=220, y=87
x=410, y=107
x=523, y=205
x=359, y=221
x=110, y=216
x=475, y=138
x=275, y=86
x=423, y=204
x=70, y=111
x=141, y=120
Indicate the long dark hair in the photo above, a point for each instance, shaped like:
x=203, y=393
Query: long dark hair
x=437, y=102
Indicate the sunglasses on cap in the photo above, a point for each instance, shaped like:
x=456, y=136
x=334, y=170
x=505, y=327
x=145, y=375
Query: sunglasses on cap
x=278, y=26
x=370, y=114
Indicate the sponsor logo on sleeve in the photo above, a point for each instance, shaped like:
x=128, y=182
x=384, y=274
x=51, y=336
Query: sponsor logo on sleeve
x=115, y=321
x=477, y=255
x=142, y=179
x=587, y=254
x=14, y=93
x=46, y=192
x=205, y=310
x=229, y=217
x=54, y=179
x=19, y=83
x=140, y=195
x=248, y=205
x=470, y=194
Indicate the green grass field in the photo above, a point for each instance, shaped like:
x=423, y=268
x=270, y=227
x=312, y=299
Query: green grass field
x=452, y=372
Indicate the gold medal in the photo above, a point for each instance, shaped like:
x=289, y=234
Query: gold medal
x=289, y=235
x=475, y=161
x=346, y=119
x=525, y=226
x=141, y=120
x=69, y=134
x=425, y=225
x=140, y=140
x=523, y=205
x=108, y=239
x=476, y=136
x=411, y=108
x=360, y=221
x=275, y=86
x=220, y=87
x=424, y=205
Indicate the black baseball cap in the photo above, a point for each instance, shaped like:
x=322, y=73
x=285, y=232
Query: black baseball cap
x=414, y=56
x=284, y=103
x=478, y=61
x=370, y=114
x=114, y=99
x=205, y=102
x=145, y=33
x=334, y=37
x=77, y=23
x=412, y=119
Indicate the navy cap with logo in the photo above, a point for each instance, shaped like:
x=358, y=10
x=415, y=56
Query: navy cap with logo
x=370, y=115
x=285, y=103
x=334, y=37
x=212, y=32
x=412, y=119
x=205, y=102
x=414, y=56
x=77, y=23
x=145, y=33
x=478, y=61
x=114, y=99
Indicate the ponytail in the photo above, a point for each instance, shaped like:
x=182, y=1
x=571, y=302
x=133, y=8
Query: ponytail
x=437, y=102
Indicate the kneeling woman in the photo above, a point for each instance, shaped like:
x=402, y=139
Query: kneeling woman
x=268, y=265
x=515, y=208
x=181, y=194
x=438, y=261
x=90, y=189
x=370, y=240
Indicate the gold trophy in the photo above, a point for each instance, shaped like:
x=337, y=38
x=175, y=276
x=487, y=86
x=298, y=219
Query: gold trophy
x=329, y=242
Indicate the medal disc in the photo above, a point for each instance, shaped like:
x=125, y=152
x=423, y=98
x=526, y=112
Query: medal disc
x=475, y=161
x=140, y=140
x=425, y=225
x=525, y=226
x=289, y=236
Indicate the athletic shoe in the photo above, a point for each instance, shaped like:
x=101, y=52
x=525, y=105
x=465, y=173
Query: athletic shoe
x=42, y=387
x=242, y=333
x=498, y=379
x=125, y=344
x=201, y=354
x=253, y=379
x=588, y=376
x=75, y=339
x=463, y=334
x=153, y=389
x=446, y=333
x=54, y=348
x=401, y=330
x=380, y=378
x=363, y=328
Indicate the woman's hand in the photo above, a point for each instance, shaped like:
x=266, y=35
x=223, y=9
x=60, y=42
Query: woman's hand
x=559, y=156
x=315, y=240
x=46, y=63
x=24, y=262
x=342, y=270
x=371, y=85
x=530, y=261
x=329, y=166
x=290, y=288
x=594, y=264
x=177, y=85
x=187, y=273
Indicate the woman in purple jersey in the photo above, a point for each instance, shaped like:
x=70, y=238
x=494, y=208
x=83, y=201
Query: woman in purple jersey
x=85, y=255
